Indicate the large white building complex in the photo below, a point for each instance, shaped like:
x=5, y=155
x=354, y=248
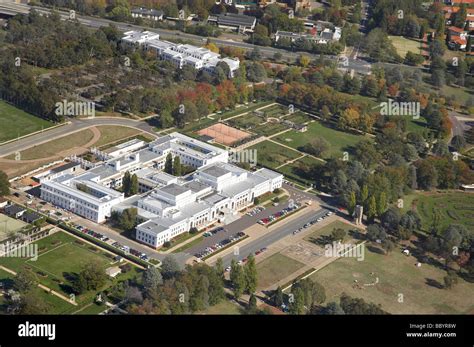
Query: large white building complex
x=167, y=205
x=179, y=54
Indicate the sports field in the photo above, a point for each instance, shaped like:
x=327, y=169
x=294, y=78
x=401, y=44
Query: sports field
x=224, y=134
x=16, y=122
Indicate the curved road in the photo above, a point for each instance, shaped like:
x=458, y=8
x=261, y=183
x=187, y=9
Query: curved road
x=72, y=126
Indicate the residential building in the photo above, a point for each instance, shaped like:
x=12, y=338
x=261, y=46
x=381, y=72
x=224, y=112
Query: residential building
x=238, y=22
x=457, y=38
x=323, y=36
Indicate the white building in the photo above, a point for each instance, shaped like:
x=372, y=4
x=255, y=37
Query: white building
x=152, y=14
x=62, y=190
x=214, y=191
x=81, y=195
x=179, y=55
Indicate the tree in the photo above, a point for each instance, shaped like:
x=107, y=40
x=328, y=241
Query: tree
x=169, y=164
x=458, y=142
x=252, y=306
x=333, y=308
x=297, y=301
x=303, y=60
x=24, y=280
x=32, y=304
x=219, y=267
x=151, y=279
x=388, y=245
x=338, y=234
x=450, y=280
x=278, y=297
x=4, y=184
x=170, y=267
x=250, y=273
x=128, y=219
x=92, y=277
x=381, y=203
x=134, y=185
x=351, y=204
x=237, y=279
x=317, y=146
x=372, y=209
x=126, y=183
x=176, y=166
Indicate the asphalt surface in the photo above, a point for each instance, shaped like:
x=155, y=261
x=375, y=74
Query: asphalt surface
x=274, y=236
x=74, y=125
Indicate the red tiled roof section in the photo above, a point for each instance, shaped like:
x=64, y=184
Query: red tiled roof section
x=456, y=29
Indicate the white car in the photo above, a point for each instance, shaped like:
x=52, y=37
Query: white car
x=227, y=269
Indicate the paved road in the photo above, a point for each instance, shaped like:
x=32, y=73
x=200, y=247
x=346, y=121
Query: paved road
x=355, y=64
x=274, y=236
x=73, y=126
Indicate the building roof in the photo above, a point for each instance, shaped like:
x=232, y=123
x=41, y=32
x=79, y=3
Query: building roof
x=215, y=171
x=31, y=217
x=13, y=209
x=232, y=19
x=174, y=189
x=65, y=167
x=147, y=12
x=456, y=29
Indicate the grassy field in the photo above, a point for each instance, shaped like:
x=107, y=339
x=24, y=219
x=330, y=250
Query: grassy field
x=453, y=207
x=239, y=110
x=397, y=274
x=339, y=141
x=9, y=225
x=298, y=118
x=53, y=147
x=109, y=134
x=271, y=155
x=61, y=257
x=403, y=45
x=224, y=307
x=318, y=236
x=276, y=268
x=16, y=122
x=248, y=121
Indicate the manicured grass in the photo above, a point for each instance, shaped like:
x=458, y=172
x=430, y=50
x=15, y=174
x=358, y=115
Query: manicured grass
x=453, y=208
x=271, y=155
x=403, y=45
x=16, y=122
x=109, y=134
x=188, y=245
x=276, y=268
x=239, y=110
x=53, y=147
x=397, y=274
x=61, y=258
x=339, y=141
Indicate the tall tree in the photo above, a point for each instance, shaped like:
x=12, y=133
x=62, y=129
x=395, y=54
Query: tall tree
x=176, y=166
x=250, y=271
x=169, y=164
x=4, y=184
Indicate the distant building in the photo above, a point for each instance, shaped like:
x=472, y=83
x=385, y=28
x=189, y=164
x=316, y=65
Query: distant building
x=14, y=211
x=324, y=36
x=457, y=38
x=141, y=12
x=238, y=22
x=180, y=55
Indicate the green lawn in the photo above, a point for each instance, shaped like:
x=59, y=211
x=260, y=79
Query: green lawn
x=453, y=207
x=224, y=307
x=403, y=45
x=339, y=141
x=397, y=274
x=245, y=122
x=61, y=257
x=298, y=117
x=318, y=237
x=16, y=122
x=276, y=268
x=271, y=155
